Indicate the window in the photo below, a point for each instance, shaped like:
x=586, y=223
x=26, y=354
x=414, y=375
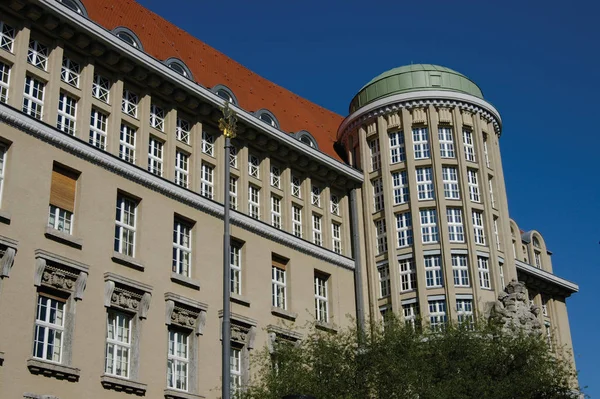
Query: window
x=297, y=221
x=157, y=117
x=70, y=72
x=421, y=143
x=182, y=131
x=278, y=283
x=377, y=194
x=37, y=55
x=315, y=196
x=433, y=271
x=236, y=269
x=233, y=190
x=125, y=225
x=233, y=157
x=179, y=67
x=129, y=105
x=450, y=180
x=468, y=143
x=178, y=360
x=74, y=5
x=208, y=144
x=62, y=199
x=381, y=238
x=437, y=315
x=98, y=123
x=321, y=298
x=7, y=37
x=545, y=306
x=254, y=202
x=464, y=312
x=268, y=119
x=49, y=329
x=317, y=236
x=253, y=166
x=456, y=230
x=473, y=185
x=224, y=94
x=408, y=275
x=276, y=212
x=335, y=204
x=385, y=288
x=478, y=227
x=397, y=150
x=485, y=151
x=182, y=169
x=429, y=228
x=501, y=273
x=496, y=235
x=460, y=270
x=67, y=110
x=182, y=247
x=375, y=155
x=404, y=229
x=336, y=238
x=155, y=156
x=296, y=185
x=4, y=81
x=33, y=97
x=275, y=176
x=235, y=361
x=101, y=88
x=411, y=314
x=425, y=184
x=3, y=150
x=128, y=38
x=207, y=180
x=400, y=182
x=127, y=143
x=484, y=272
x=491, y=185
x=538, y=259
x=118, y=344
x=446, y=142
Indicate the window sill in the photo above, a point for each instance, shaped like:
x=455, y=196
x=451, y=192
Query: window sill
x=176, y=394
x=48, y=369
x=326, y=327
x=123, y=384
x=240, y=299
x=5, y=217
x=63, y=238
x=183, y=280
x=127, y=261
x=286, y=314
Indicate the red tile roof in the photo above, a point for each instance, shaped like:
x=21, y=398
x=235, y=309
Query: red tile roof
x=161, y=39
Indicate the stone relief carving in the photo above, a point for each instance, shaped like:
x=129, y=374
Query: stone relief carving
x=513, y=309
x=186, y=317
x=7, y=261
x=59, y=278
x=119, y=297
x=467, y=118
x=445, y=116
x=393, y=120
x=419, y=115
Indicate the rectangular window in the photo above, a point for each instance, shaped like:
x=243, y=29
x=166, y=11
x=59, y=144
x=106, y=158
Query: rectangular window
x=155, y=156
x=182, y=131
x=253, y=166
x=182, y=169
x=233, y=192
x=491, y=186
x=460, y=270
x=7, y=37
x=278, y=283
x=182, y=247
x=425, y=184
x=473, y=185
x=297, y=221
x=3, y=150
x=317, y=235
x=456, y=231
x=33, y=97
x=4, y=81
x=70, y=72
x=178, y=360
x=127, y=143
x=446, y=142
x=375, y=155
x=49, y=329
x=233, y=157
x=157, y=117
x=321, y=298
x=236, y=269
x=538, y=259
x=478, y=227
x=468, y=144
x=450, y=179
x=275, y=212
x=381, y=238
x=421, y=143
x=411, y=314
x=501, y=272
x=385, y=288
x=485, y=151
x=496, y=234
x=275, y=176
x=484, y=272
x=464, y=312
x=125, y=225
x=296, y=183
x=335, y=204
x=404, y=229
x=336, y=237
x=62, y=200
x=208, y=144
x=235, y=362
x=98, y=126
x=207, y=180
x=397, y=149
x=129, y=105
x=67, y=111
x=400, y=182
x=118, y=344
x=429, y=228
x=101, y=88
x=433, y=271
x=254, y=202
x=377, y=194
x=408, y=275
x=437, y=315
x=315, y=196
x=37, y=55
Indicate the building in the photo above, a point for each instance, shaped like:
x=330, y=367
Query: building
x=110, y=233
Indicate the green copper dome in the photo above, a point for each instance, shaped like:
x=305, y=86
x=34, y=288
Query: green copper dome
x=417, y=77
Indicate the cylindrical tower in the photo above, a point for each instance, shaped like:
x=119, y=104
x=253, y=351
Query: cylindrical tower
x=435, y=211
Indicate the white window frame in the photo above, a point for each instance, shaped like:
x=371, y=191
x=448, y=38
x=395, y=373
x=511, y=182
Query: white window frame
x=321, y=298
x=70, y=71
x=60, y=219
x=456, y=230
x=385, y=287
x=501, y=273
x=207, y=180
x=433, y=271
x=157, y=117
x=182, y=248
x=233, y=157
x=315, y=196
x=375, y=154
x=404, y=229
x=254, y=201
x=101, y=88
x=50, y=330
x=464, y=313
x=437, y=315
x=182, y=168
x=377, y=194
x=496, y=233
x=233, y=192
x=118, y=320
x=182, y=130
x=297, y=220
x=400, y=184
x=276, y=212
x=473, y=185
x=336, y=237
x=483, y=269
x=208, y=143
x=450, y=180
x=380, y=236
x=126, y=245
x=334, y=202
x=429, y=228
x=485, y=151
x=408, y=275
x=98, y=129
x=421, y=143
x=127, y=140
x=275, y=176
x=425, y=186
x=478, y=229
x=235, y=281
x=3, y=151
x=278, y=287
x=468, y=145
x=410, y=312
x=397, y=147
x=129, y=103
x=253, y=166
x=66, y=119
x=37, y=54
x=317, y=222
x=4, y=81
x=236, y=370
x=460, y=270
x=33, y=97
x=178, y=360
x=446, y=142
x=155, y=156
x=296, y=187
x=7, y=37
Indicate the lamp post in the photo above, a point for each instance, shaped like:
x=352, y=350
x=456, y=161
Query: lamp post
x=228, y=125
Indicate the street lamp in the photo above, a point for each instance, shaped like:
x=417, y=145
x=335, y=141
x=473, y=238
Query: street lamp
x=228, y=125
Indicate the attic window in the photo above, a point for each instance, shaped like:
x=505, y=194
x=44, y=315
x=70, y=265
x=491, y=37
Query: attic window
x=178, y=66
x=536, y=242
x=225, y=93
x=306, y=138
x=267, y=117
x=128, y=37
x=74, y=5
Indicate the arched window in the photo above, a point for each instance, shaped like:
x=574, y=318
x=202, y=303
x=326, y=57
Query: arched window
x=225, y=93
x=179, y=66
x=536, y=242
x=74, y=5
x=307, y=139
x=128, y=37
x=267, y=117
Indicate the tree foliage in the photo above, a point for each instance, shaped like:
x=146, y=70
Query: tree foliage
x=398, y=362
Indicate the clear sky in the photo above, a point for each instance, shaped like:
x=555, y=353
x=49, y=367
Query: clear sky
x=536, y=61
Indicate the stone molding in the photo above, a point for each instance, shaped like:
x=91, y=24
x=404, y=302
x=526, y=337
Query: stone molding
x=176, y=394
x=63, y=238
x=49, y=369
x=127, y=261
x=185, y=313
x=240, y=299
x=243, y=329
x=8, y=257
x=555, y=283
x=275, y=333
x=126, y=294
x=329, y=327
x=57, y=272
x=286, y=314
x=29, y=395
x=123, y=385
x=186, y=281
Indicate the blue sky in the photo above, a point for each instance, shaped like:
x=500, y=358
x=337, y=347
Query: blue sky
x=537, y=62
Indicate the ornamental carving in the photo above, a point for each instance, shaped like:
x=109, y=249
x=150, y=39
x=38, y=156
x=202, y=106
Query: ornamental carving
x=60, y=277
x=419, y=116
x=184, y=314
x=467, y=118
x=444, y=115
x=514, y=310
x=57, y=279
x=393, y=120
x=183, y=317
x=119, y=297
x=7, y=261
x=125, y=300
x=371, y=129
x=239, y=333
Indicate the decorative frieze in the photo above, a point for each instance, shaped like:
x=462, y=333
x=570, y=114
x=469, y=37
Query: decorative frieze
x=419, y=115
x=371, y=129
x=277, y=335
x=123, y=293
x=59, y=273
x=185, y=313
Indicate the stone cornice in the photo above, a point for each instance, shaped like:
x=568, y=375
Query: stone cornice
x=139, y=175
x=564, y=285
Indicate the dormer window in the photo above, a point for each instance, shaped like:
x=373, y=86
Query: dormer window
x=74, y=5
x=307, y=139
x=179, y=67
x=267, y=117
x=128, y=37
x=225, y=93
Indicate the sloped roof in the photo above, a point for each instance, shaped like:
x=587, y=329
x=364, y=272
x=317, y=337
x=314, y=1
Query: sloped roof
x=162, y=40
